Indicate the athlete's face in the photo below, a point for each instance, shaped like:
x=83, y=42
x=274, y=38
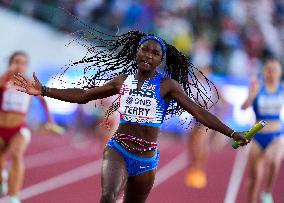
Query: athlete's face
x=272, y=71
x=149, y=55
x=19, y=64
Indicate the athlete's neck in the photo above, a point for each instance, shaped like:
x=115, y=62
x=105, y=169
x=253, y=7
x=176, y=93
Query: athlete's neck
x=145, y=75
x=272, y=86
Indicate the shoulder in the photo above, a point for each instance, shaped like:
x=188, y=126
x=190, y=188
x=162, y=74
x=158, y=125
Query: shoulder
x=3, y=79
x=170, y=85
x=120, y=77
x=118, y=80
x=169, y=82
x=282, y=85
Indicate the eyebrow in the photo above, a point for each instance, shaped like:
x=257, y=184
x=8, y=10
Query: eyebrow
x=158, y=51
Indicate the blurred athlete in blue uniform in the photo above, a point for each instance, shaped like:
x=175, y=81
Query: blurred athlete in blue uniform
x=267, y=99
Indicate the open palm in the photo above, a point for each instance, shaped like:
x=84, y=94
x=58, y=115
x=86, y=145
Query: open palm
x=32, y=87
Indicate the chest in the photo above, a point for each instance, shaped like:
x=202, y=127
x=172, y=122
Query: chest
x=269, y=103
x=13, y=100
x=137, y=93
x=143, y=102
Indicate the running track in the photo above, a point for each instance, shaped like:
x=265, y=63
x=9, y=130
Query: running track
x=61, y=170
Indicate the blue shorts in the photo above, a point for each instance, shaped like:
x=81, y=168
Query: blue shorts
x=135, y=164
x=264, y=139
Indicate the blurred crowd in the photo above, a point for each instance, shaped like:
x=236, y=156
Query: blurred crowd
x=231, y=36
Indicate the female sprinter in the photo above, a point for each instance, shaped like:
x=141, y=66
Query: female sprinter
x=14, y=133
x=267, y=98
x=131, y=156
x=200, y=139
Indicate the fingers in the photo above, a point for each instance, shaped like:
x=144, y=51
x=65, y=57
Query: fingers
x=19, y=76
x=241, y=139
x=20, y=86
x=245, y=142
x=21, y=81
x=21, y=89
x=17, y=83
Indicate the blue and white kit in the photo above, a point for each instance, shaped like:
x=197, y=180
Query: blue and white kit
x=142, y=107
x=135, y=165
x=267, y=106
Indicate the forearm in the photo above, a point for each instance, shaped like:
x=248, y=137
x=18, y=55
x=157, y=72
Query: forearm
x=214, y=123
x=72, y=95
x=244, y=106
x=247, y=103
x=49, y=117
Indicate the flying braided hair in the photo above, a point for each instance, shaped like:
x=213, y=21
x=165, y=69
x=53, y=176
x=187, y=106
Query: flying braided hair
x=109, y=56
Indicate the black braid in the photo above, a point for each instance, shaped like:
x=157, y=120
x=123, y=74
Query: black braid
x=180, y=69
x=111, y=55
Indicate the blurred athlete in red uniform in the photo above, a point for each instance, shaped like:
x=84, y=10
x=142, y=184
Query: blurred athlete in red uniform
x=14, y=133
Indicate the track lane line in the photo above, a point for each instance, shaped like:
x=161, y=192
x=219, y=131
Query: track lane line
x=61, y=180
x=43, y=158
x=167, y=171
x=236, y=175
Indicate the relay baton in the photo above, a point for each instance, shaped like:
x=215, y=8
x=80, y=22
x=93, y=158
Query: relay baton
x=249, y=134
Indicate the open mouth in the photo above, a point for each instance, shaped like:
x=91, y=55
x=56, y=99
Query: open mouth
x=146, y=63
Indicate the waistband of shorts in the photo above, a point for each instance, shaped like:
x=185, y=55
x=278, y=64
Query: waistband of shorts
x=114, y=143
x=275, y=133
x=23, y=125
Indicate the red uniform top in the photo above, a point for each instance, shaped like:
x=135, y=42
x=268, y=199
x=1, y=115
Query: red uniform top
x=12, y=100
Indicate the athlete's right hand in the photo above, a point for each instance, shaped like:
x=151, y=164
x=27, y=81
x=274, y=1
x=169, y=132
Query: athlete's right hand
x=32, y=87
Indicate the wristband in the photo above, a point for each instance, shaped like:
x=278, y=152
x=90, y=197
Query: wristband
x=231, y=135
x=44, y=90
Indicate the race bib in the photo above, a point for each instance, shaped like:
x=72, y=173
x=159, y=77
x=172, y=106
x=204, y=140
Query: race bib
x=15, y=101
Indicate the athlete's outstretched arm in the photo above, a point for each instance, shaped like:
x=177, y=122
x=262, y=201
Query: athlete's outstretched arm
x=49, y=117
x=176, y=92
x=73, y=95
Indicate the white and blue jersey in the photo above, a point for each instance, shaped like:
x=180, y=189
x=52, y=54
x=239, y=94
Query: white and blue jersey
x=267, y=106
x=144, y=106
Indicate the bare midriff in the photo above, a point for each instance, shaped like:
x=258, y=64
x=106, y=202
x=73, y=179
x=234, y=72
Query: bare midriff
x=272, y=126
x=147, y=133
x=10, y=119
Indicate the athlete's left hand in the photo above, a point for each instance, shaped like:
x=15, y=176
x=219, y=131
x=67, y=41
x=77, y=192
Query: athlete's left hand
x=240, y=138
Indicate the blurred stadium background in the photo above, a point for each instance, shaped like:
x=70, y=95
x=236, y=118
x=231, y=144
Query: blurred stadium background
x=233, y=37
